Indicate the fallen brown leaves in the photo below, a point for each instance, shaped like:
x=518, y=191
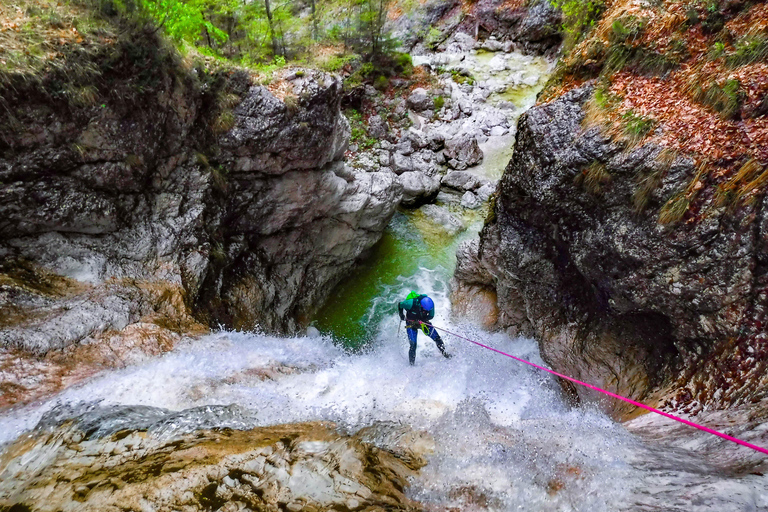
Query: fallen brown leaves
x=688, y=126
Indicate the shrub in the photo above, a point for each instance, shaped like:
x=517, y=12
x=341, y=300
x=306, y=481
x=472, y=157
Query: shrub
x=439, y=103
x=381, y=83
x=337, y=62
x=578, y=17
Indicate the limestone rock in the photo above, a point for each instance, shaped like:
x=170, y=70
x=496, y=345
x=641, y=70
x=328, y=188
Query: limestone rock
x=460, y=180
x=419, y=100
x=462, y=152
x=377, y=128
x=125, y=202
x=106, y=462
x=418, y=188
x=614, y=297
x=470, y=200
x=441, y=217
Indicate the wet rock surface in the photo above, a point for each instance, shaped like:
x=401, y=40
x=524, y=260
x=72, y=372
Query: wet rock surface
x=108, y=206
x=139, y=458
x=614, y=297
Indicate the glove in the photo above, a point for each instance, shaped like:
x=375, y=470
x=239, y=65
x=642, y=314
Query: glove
x=402, y=315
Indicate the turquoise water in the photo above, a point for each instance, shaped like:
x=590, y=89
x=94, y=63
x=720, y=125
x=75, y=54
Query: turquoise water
x=413, y=254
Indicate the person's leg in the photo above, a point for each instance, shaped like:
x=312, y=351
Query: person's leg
x=412, y=340
x=432, y=333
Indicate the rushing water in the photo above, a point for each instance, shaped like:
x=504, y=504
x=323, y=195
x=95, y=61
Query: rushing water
x=505, y=439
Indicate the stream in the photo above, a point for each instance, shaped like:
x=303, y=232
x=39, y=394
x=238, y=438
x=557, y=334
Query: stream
x=504, y=437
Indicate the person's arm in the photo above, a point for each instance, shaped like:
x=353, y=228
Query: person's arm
x=431, y=314
x=400, y=309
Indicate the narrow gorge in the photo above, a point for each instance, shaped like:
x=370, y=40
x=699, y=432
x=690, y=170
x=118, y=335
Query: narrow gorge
x=200, y=261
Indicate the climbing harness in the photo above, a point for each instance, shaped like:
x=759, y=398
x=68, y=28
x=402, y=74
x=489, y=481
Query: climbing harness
x=614, y=395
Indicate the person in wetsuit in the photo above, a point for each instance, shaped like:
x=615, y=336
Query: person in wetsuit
x=417, y=308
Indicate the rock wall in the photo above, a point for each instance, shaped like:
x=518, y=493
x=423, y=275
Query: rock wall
x=533, y=27
x=178, y=196
x=307, y=466
x=613, y=296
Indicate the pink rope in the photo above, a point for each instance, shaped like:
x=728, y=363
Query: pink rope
x=614, y=395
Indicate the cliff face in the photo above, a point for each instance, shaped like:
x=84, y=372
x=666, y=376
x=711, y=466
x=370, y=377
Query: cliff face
x=163, y=195
x=613, y=296
x=629, y=231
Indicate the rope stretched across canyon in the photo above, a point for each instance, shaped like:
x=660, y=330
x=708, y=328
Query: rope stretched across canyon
x=614, y=395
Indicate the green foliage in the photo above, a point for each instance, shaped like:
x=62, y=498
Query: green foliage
x=337, y=62
x=726, y=99
x=636, y=126
x=381, y=83
x=604, y=98
x=439, y=103
x=578, y=17
x=715, y=20
x=458, y=76
x=433, y=37
x=359, y=135
x=748, y=49
x=626, y=29
x=185, y=21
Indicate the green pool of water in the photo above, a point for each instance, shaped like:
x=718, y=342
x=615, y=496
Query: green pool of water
x=410, y=243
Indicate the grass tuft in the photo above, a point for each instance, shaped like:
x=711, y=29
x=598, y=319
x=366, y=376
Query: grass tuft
x=749, y=49
x=649, y=182
x=224, y=122
x=593, y=178
x=747, y=182
x=676, y=207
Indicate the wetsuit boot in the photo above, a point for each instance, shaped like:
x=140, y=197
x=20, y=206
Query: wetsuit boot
x=441, y=348
x=412, y=354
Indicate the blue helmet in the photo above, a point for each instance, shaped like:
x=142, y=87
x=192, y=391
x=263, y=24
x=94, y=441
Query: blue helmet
x=427, y=304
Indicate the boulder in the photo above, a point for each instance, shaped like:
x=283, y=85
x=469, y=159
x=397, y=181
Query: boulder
x=401, y=163
x=419, y=100
x=377, y=128
x=471, y=201
x=418, y=188
x=460, y=180
x=492, y=45
x=442, y=218
x=463, y=151
x=486, y=191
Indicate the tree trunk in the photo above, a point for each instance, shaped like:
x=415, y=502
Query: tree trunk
x=314, y=20
x=275, y=48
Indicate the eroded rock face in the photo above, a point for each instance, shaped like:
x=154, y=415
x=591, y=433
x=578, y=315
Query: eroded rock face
x=614, y=297
x=292, y=467
x=179, y=205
